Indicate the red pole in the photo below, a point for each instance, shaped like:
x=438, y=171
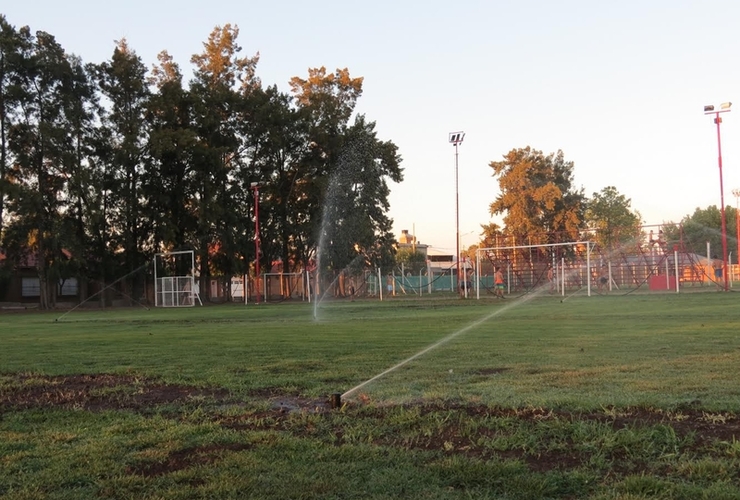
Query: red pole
x=718, y=120
x=256, y=189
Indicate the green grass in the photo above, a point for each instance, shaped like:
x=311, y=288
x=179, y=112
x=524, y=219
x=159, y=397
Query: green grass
x=618, y=397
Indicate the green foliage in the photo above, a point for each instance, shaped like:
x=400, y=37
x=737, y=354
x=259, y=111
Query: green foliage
x=609, y=213
x=110, y=163
x=704, y=225
x=412, y=261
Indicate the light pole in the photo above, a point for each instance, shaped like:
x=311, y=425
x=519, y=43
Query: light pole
x=456, y=139
x=256, y=189
x=709, y=110
x=736, y=193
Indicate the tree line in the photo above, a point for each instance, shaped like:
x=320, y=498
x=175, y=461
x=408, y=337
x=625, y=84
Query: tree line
x=102, y=165
x=541, y=205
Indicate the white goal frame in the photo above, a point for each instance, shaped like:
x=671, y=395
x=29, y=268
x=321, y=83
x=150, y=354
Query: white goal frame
x=176, y=290
x=559, y=267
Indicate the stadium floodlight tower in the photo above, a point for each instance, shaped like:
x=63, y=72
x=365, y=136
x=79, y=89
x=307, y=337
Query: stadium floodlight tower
x=256, y=189
x=456, y=139
x=709, y=110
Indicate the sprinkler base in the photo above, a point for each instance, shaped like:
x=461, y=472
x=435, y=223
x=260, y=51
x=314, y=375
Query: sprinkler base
x=335, y=401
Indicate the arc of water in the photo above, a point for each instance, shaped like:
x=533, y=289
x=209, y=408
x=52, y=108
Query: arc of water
x=441, y=342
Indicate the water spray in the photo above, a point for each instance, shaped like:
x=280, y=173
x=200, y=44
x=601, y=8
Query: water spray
x=442, y=341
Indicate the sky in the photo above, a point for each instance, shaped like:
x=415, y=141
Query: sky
x=619, y=87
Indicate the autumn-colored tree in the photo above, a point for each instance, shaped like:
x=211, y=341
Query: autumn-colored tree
x=492, y=235
x=538, y=200
x=609, y=214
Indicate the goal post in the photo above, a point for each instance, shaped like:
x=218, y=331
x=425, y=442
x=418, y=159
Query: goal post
x=174, y=279
x=533, y=266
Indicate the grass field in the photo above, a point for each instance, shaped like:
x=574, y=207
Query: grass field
x=614, y=397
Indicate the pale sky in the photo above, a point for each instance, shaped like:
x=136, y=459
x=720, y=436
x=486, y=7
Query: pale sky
x=618, y=86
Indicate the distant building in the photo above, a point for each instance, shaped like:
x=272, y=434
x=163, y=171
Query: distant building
x=438, y=261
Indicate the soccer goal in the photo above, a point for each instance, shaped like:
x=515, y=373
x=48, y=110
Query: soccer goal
x=557, y=266
x=174, y=279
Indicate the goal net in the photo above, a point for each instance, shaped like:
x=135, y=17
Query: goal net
x=174, y=279
x=557, y=266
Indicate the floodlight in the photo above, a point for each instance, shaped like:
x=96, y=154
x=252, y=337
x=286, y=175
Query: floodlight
x=255, y=184
x=709, y=107
x=456, y=137
x=725, y=105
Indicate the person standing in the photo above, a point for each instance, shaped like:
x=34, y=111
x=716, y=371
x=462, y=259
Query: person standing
x=498, y=283
x=603, y=278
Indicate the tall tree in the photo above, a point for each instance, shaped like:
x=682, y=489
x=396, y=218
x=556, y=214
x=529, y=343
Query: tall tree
x=170, y=180
x=216, y=103
x=9, y=59
x=276, y=133
x=355, y=222
x=326, y=102
x=81, y=109
x=122, y=81
x=609, y=213
x=538, y=200
x=37, y=142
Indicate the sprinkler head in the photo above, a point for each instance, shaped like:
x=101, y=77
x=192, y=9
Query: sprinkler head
x=335, y=400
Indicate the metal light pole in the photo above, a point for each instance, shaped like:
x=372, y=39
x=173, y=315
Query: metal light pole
x=709, y=110
x=456, y=139
x=736, y=193
x=256, y=189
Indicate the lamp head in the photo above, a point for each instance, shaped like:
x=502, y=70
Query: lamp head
x=709, y=107
x=456, y=137
x=725, y=105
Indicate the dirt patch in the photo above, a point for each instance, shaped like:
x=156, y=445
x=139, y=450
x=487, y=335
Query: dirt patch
x=702, y=429
x=699, y=431
x=97, y=392
x=184, y=459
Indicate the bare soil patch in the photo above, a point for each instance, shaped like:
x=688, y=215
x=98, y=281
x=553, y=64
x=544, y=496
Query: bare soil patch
x=184, y=459
x=97, y=392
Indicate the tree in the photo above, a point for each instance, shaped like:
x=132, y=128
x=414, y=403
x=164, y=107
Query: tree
x=9, y=59
x=331, y=100
x=169, y=176
x=278, y=142
x=702, y=227
x=537, y=197
x=122, y=80
x=609, y=213
x=38, y=144
x=345, y=171
x=81, y=108
x=217, y=152
x=493, y=236
x=355, y=217
x=412, y=261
